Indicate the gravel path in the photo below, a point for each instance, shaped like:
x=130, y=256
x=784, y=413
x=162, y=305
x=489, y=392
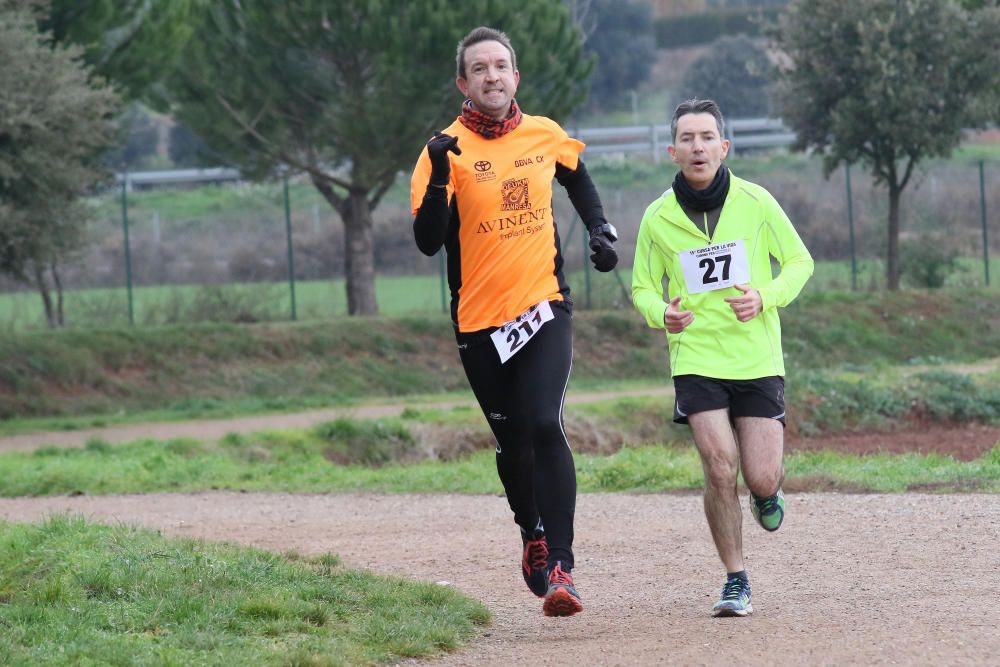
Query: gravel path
x=849, y=579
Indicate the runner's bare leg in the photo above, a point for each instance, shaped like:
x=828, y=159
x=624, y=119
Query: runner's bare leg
x=719, y=452
x=761, y=446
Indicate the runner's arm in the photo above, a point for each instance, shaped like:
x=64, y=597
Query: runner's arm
x=582, y=194
x=785, y=245
x=430, y=225
x=647, y=275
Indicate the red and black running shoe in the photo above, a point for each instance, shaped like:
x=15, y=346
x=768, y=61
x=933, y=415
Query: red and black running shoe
x=561, y=598
x=534, y=560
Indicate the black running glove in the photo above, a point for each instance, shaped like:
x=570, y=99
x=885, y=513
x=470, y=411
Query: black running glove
x=437, y=150
x=601, y=239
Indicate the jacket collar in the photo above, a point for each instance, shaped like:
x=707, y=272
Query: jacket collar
x=670, y=210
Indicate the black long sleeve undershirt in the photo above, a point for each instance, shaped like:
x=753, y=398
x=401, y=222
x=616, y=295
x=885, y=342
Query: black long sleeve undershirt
x=430, y=225
x=431, y=222
x=582, y=194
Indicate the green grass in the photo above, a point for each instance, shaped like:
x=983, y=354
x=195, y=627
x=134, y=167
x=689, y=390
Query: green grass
x=314, y=300
x=970, y=152
x=347, y=455
x=93, y=377
x=225, y=409
x=230, y=202
x=77, y=593
x=896, y=473
x=396, y=295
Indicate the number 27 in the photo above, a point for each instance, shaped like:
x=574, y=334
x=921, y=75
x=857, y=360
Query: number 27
x=710, y=264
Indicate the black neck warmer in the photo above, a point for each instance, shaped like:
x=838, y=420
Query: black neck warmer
x=708, y=199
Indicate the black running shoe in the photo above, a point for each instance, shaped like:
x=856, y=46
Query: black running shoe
x=534, y=560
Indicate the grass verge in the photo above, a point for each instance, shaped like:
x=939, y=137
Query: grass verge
x=214, y=369
x=301, y=462
x=73, y=592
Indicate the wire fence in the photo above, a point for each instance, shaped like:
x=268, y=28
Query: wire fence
x=247, y=252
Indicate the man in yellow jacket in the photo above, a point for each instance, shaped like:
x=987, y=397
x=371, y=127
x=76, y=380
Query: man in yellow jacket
x=713, y=235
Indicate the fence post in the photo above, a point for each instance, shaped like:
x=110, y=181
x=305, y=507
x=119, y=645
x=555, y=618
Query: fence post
x=128, y=249
x=655, y=140
x=288, y=241
x=982, y=209
x=850, y=225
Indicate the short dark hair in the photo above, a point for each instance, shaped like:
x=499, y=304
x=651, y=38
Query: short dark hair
x=482, y=34
x=698, y=106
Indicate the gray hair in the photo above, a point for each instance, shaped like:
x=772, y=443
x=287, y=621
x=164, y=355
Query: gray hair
x=698, y=106
x=482, y=34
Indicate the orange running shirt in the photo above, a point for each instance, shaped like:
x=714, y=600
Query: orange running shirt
x=505, y=257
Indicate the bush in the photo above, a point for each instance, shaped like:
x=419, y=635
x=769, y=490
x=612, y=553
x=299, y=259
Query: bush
x=927, y=261
x=374, y=443
x=218, y=303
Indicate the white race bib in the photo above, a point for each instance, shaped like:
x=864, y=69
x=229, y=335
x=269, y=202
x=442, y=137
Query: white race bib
x=716, y=266
x=512, y=336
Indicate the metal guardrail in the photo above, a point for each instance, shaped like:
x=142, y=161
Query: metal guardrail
x=743, y=133
x=142, y=179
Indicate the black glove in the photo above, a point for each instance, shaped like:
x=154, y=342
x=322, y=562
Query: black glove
x=437, y=150
x=601, y=238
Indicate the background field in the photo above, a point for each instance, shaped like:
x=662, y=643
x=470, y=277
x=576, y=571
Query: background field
x=219, y=253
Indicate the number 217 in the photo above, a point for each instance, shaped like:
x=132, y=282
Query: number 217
x=514, y=337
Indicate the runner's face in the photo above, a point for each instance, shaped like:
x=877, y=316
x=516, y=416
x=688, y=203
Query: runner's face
x=698, y=148
x=490, y=78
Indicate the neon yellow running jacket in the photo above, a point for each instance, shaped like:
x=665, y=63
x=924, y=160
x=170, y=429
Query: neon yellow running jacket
x=716, y=344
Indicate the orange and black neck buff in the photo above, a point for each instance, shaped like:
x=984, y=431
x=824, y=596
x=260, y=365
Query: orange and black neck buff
x=487, y=126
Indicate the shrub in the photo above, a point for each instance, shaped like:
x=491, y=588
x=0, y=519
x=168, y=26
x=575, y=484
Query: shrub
x=927, y=260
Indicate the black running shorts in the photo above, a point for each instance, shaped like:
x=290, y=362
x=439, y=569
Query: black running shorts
x=762, y=397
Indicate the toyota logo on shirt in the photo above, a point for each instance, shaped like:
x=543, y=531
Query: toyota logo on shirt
x=483, y=165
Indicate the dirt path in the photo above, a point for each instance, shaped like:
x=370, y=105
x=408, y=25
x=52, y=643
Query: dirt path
x=850, y=579
x=213, y=429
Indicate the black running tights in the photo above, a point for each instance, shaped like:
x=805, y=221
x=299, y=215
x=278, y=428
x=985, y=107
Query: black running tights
x=523, y=403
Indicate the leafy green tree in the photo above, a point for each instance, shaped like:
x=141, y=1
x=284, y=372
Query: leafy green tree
x=347, y=91
x=135, y=43
x=620, y=37
x=55, y=122
x=138, y=135
x=887, y=83
x=734, y=74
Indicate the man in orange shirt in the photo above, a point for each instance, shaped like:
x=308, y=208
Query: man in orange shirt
x=482, y=189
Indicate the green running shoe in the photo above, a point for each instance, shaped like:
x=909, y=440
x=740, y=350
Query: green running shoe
x=770, y=511
x=735, y=600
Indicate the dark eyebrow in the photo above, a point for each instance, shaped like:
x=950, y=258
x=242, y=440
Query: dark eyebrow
x=504, y=61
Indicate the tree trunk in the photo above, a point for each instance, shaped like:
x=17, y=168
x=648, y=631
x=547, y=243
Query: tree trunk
x=359, y=255
x=54, y=268
x=43, y=289
x=359, y=246
x=892, y=252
